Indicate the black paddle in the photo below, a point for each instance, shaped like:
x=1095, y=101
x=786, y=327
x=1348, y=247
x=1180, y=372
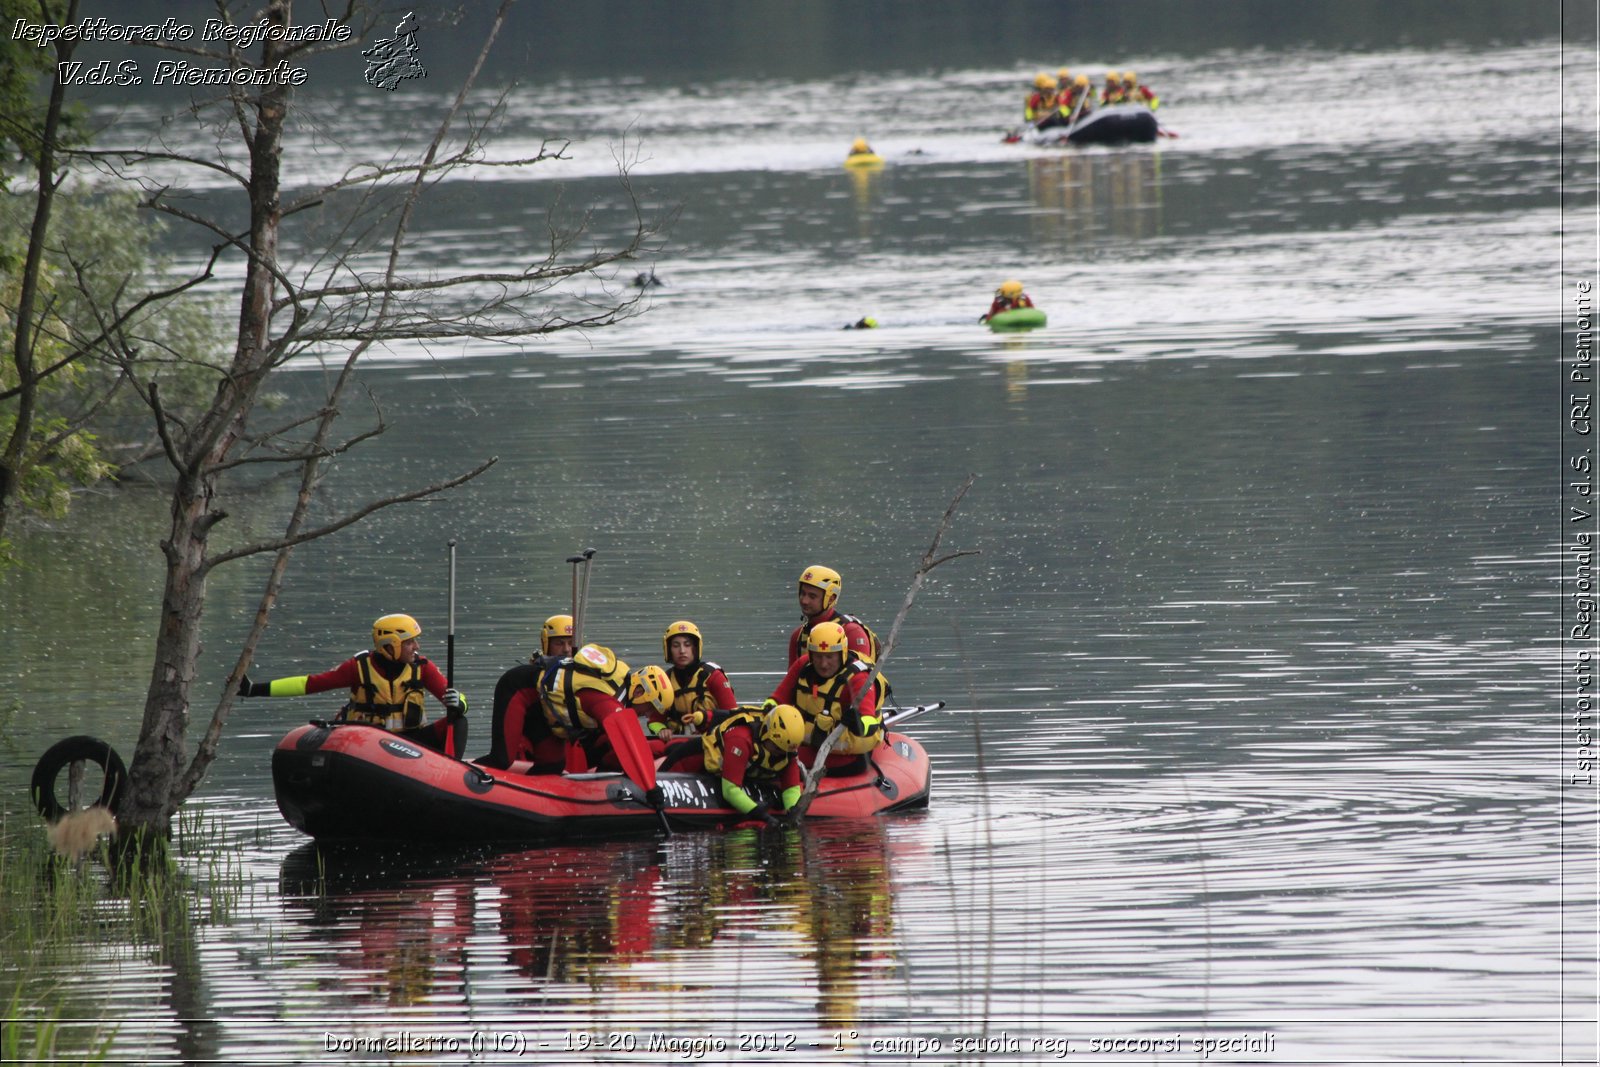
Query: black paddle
x=450, y=655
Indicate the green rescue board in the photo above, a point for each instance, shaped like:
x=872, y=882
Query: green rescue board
x=1017, y=319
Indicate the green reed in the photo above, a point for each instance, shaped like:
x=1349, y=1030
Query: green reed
x=67, y=926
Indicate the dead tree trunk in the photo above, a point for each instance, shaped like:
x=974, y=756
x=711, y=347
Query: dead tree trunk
x=327, y=300
x=156, y=787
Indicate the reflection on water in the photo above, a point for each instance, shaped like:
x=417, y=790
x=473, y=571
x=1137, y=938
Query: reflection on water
x=1084, y=198
x=617, y=932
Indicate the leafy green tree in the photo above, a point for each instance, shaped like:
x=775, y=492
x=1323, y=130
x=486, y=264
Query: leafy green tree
x=88, y=424
x=21, y=65
x=31, y=133
x=82, y=313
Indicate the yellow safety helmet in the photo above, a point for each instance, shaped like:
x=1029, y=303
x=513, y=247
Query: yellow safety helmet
x=650, y=685
x=1010, y=289
x=1111, y=76
x=1044, y=81
x=392, y=631
x=682, y=627
x=784, y=726
x=554, y=626
x=860, y=145
x=827, y=637
x=1081, y=81
x=1129, y=78
x=826, y=579
x=1063, y=76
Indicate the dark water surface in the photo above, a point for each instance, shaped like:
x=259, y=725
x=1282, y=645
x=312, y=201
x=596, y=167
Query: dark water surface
x=1253, y=687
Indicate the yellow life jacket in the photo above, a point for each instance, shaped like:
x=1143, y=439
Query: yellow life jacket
x=883, y=687
x=1047, y=102
x=392, y=703
x=692, y=688
x=590, y=667
x=762, y=763
x=822, y=702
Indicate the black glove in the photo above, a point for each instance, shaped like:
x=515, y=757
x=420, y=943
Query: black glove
x=455, y=705
x=247, y=688
x=759, y=810
x=655, y=797
x=769, y=821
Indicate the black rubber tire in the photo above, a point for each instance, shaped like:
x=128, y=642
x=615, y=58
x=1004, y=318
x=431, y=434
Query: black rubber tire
x=71, y=750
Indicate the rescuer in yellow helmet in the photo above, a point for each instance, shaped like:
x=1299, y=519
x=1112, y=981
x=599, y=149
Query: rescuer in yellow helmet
x=592, y=701
x=829, y=686
x=1077, y=98
x=753, y=750
x=701, y=690
x=388, y=688
x=1042, y=102
x=1134, y=93
x=519, y=732
x=1007, y=298
x=555, y=637
x=819, y=588
x=1111, y=93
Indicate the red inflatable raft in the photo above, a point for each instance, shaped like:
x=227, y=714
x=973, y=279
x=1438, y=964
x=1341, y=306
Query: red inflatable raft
x=349, y=782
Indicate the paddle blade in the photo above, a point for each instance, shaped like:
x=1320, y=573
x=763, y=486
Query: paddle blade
x=633, y=752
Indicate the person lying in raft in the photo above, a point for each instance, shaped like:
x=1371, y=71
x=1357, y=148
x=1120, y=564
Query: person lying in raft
x=519, y=730
x=701, y=692
x=1008, y=297
x=752, y=751
x=830, y=687
x=593, y=703
x=388, y=687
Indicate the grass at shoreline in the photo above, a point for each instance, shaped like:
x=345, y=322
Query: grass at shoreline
x=67, y=925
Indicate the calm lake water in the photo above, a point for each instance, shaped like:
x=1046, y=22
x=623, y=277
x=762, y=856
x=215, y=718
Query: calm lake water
x=1252, y=753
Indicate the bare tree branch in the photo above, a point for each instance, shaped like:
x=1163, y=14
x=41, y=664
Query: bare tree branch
x=348, y=520
x=364, y=287
x=110, y=327
x=163, y=428
x=311, y=470
x=313, y=450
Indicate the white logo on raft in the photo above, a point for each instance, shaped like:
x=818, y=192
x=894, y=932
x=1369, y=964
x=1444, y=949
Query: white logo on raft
x=686, y=794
